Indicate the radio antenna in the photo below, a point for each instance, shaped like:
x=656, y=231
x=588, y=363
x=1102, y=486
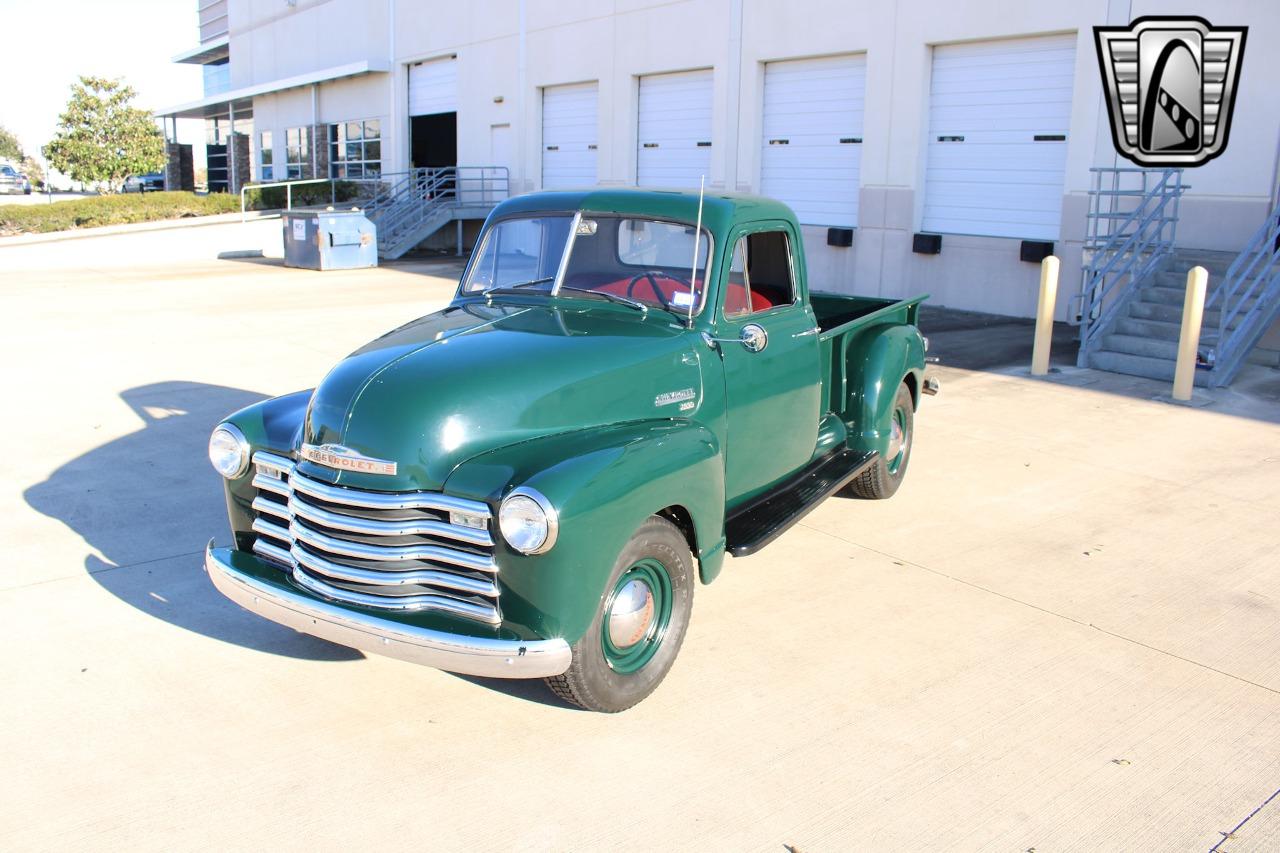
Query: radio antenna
x=697, y=238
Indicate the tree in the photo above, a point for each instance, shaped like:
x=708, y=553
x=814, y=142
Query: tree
x=102, y=138
x=10, y=148
x=33, y=170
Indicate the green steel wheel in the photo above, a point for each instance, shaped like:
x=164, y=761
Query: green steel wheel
x=639, y=626
x=884, y=477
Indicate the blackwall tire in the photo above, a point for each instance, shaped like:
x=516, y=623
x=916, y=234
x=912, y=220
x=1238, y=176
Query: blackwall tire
x=884, y=477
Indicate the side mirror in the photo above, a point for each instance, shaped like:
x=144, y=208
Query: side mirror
x=754, y=337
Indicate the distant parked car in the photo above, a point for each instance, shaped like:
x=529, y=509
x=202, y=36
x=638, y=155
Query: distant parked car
x=151, y=183
x=13, y=181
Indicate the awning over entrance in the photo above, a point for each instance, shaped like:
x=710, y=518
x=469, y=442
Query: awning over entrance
x=208, y=51
x=241, y=100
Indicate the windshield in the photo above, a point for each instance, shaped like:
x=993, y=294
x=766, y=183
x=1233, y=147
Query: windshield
x=632, y=258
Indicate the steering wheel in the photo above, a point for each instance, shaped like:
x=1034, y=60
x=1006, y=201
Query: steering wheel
x=652, y=277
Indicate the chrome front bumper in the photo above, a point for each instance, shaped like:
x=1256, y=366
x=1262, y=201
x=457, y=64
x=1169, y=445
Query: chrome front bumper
x=451, y=652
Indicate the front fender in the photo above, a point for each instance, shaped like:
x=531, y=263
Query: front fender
x=603, y=484
x=883, y=359
x=274, y=425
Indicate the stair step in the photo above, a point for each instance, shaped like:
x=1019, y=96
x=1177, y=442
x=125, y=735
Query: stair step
x=1144, y=328
x=1156, y=294
x=1145, y=347
x=1136, y=365
x=1178, y=279
x=1162, y=295
x=752, y=527
x=1173, y=314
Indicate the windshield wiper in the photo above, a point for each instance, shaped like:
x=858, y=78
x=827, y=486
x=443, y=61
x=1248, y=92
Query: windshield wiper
x=612, y=297
x=508, y=287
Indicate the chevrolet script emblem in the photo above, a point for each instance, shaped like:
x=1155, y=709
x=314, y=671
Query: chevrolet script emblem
x=345, y=459
x=1171, y=83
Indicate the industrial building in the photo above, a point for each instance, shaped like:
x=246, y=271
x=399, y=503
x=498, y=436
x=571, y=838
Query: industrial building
x=977, y=121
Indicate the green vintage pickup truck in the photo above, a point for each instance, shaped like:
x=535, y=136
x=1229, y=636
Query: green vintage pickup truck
x=530, y=482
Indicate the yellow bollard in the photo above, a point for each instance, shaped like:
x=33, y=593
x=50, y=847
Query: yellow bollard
x=1184, y=375
x=1044, y=316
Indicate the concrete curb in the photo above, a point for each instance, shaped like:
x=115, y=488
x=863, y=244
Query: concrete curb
x=134, y=228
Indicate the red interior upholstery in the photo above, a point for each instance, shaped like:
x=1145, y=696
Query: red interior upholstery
x=735, y=300
x=734, y=303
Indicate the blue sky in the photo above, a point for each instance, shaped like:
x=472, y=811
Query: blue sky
x=62, y=39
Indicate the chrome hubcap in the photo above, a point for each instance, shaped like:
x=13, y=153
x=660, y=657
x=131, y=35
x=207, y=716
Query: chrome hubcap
x=896, y=441
x=631, y=614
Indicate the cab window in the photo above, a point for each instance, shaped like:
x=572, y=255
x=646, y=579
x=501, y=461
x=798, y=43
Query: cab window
x=759, y=274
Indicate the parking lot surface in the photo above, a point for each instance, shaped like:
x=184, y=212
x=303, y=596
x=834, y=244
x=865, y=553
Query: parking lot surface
x=1063, y=633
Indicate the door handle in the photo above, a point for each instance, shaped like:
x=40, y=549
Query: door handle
x=815, y=330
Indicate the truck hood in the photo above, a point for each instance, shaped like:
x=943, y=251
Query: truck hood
x=474, y=377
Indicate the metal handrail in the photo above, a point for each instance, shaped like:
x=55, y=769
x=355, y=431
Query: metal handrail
x=414, y=198
x=1242, y=281
x=289, y=185
x=1129, y=251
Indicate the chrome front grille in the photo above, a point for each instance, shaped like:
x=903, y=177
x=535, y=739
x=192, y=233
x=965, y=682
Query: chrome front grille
x=388, y=550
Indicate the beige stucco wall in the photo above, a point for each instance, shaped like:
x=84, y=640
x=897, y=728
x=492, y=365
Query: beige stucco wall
x=508, y=49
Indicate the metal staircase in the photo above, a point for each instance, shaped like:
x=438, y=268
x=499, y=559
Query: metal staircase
x=1246, y=303
x=1135, y=284
x=416, y=204
x=1132, y=222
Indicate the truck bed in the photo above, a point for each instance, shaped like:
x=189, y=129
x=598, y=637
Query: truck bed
x=835, y=311
x=841, y=319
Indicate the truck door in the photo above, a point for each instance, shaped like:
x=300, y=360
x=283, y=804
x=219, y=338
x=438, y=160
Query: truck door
x=769, y=345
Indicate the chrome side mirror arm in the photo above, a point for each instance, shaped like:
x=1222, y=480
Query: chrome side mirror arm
x=753, y=338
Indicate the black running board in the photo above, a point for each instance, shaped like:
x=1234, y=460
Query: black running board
x=752, y=527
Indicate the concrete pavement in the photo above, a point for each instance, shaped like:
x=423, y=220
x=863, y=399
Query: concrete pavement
x=1061, y=634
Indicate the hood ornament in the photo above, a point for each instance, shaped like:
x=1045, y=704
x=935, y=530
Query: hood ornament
x=345, y=459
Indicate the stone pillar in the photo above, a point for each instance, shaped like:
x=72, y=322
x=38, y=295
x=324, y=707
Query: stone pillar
x=240, y=150
x=320, y=138
x=179, y=168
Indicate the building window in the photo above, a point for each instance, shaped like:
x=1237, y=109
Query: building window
x=355, y=149
x=265, y=170
x=295, y=151
x=217, y=77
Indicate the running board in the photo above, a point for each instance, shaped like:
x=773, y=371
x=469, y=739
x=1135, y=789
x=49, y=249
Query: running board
x=765, y=519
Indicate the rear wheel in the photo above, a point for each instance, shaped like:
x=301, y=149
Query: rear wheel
x=637, y=630
x=882, y=479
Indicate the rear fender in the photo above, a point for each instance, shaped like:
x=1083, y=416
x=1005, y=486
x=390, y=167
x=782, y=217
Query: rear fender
x=882, y=357
x=603, y=485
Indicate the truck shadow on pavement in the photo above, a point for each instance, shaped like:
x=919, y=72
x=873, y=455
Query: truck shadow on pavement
x=149, y=501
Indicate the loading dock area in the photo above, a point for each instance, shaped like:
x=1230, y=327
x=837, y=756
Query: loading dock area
x=1062, y=633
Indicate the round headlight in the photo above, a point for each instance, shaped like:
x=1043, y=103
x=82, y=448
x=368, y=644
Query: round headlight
x=228, y=451
x=528, y=521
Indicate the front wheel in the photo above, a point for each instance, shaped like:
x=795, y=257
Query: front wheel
x=638, y=628
x=882, y=479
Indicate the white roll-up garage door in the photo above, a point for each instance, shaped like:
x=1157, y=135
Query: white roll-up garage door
x=813, y=136
x=433, y=87
x=674, y=130
x=999, y=112
x=569, y=128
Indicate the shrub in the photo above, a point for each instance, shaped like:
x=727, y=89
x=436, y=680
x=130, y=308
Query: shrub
x=111, y=210
x=304, y=195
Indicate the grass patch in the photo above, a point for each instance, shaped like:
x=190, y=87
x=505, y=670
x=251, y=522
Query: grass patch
x=111, y=210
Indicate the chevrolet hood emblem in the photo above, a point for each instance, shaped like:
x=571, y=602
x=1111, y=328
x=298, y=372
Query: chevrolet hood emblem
x=345, y=459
